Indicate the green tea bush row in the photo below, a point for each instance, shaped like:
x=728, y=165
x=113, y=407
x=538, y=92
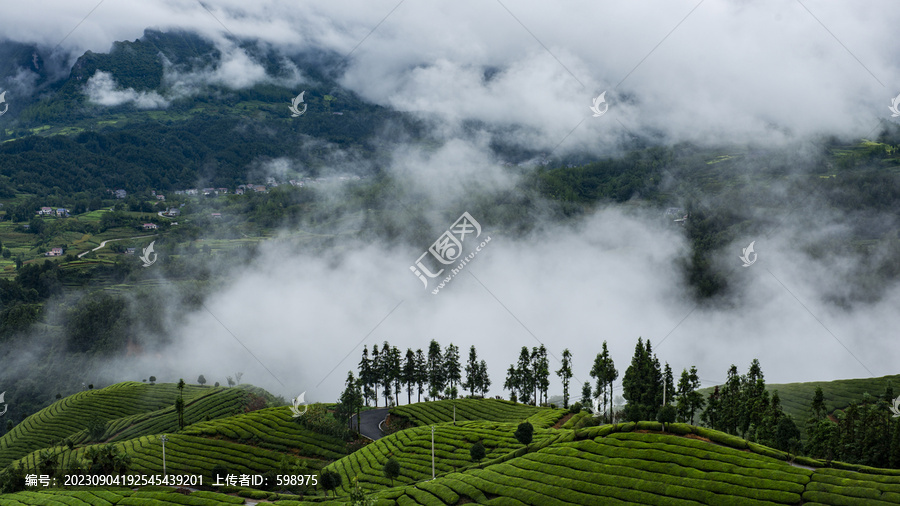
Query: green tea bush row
x=719, y=483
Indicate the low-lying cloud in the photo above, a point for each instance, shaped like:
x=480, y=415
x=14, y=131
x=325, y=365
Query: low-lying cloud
x=102, y=89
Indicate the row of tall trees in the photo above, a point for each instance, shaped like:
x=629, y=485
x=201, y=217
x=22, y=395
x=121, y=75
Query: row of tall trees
x=437, y=374
x=862, y=433
x=529, y=378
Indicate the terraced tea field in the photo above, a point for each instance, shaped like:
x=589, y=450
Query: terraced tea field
x=274, y=429
x=128, y=409
x=616, y=465
x=412, y=448
x=629, y=463
x=122, y=497
x=494, y=410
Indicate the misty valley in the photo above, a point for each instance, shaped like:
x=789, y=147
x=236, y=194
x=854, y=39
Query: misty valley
x=215, y=232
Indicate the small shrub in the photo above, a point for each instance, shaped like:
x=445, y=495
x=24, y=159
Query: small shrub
x=524, y=433
x=217, y=471
x=330, y=480
x=666, y=415
x=477, y=451
x=391, y=469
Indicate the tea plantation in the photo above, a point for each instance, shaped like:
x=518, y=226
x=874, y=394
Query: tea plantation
x=494, y=410
x=796, y=397
x=229, y=430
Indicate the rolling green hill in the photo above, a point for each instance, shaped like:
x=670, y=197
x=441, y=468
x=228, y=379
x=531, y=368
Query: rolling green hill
x=796, y=397
x=494, y=410
x=413, y=448
x=628, y=463
x=127, y=409
x=636, y=464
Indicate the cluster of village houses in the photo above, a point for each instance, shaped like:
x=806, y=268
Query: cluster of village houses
x=171, y=212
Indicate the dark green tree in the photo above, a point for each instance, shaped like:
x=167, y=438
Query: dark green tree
x=642, y=384
x=477, y=451
x=96, y=427
x=365, y=375
x=421, y=374
x=730, y=408
x=512, y=383
x=107, y=459
x=472, y=380
x=598, y=372
x=375, y=367
x=710, y=415
x=350, y=402
x=817, y=407
x=894, y=458
x=766, y=432
x=586, y=399
x=524, y=376
x=330, y=480
x=541, y=368
x=410, y=374
x=201, y=380
x=484, y=379
x=787, y=435
x=755, y=398
x=688, y=400
x=386, y=371
x=391, y=469
x=565, y=374
x=666, y=414
x=397, y=372
x=435, y=366
x=668, y=385
x=452, y=370
x=524, y=433
x=179, y=404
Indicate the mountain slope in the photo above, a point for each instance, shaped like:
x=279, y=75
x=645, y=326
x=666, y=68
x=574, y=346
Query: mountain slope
x=128, y=408
x=628, y=463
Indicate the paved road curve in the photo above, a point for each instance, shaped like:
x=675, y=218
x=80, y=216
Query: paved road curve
x=102, y=244
x=369, y=421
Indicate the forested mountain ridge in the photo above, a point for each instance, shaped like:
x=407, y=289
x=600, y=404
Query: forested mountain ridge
x=76, y=137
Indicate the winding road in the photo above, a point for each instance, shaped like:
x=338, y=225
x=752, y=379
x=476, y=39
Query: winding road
x=370, y=422
x=102, y=244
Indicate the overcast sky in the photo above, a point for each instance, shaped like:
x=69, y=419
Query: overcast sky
x=713, y=72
